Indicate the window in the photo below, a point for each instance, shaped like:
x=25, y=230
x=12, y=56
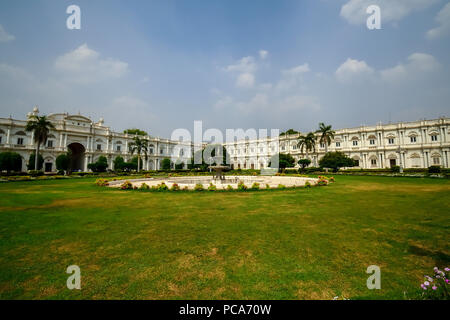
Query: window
x=391, y=141
x=118, y=148
x=413, y=139
x=162, y=151
x=151, y=150
x=322, y=145
x=372, y=141
x=434, y=137
x=436, y=161
x=373, y=162
x=99, y=147
x=1, y=139
x=20, y=141
x=338, y=144
x=50, y=144
x=355, y=142
x=356, y=163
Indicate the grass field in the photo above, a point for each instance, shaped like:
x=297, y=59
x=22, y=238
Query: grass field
x=294, y=244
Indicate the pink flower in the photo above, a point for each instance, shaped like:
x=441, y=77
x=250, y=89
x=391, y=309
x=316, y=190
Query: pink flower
x=447, y=269
x=446, y=280
x=426, y=283
x=434, y=287
x=423, y=286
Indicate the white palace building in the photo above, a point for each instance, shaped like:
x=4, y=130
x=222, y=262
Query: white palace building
x=418, y=144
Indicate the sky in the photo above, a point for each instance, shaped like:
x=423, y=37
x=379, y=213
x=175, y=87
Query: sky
x=159, y=65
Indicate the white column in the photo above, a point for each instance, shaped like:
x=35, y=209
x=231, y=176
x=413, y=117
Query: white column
x=87, y=143
x=7, y=136
x=60, y=139
x=85, y=163
x=65, y=140
x=32, y=138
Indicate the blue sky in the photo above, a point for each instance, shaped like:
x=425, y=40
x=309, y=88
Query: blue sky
x=160, y=65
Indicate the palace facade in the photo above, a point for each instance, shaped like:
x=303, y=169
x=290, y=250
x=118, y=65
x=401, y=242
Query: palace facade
x=86, y=140
x=418, y=144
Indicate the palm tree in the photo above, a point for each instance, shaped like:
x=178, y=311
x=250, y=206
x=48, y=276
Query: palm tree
x=326, y=135
x=139, y=146
x=308, y=142
x=40, y=126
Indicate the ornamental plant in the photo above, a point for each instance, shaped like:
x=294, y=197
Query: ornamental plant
x=267, y=186
x=101, y=182
x=436, y=287
x=144, y=186
x=281, y=186
x=127, y=185
x=212, y=187
x=307, y=184
x=175, y=187
x=162, y=187
x=199, y=187
x=255, y=186
x=241, y=186
x=229, y=188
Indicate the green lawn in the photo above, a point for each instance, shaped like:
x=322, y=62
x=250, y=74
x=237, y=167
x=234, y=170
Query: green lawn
x=294, y=244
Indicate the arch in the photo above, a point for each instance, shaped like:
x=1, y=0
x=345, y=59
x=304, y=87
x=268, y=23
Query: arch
x=119, y=142
x=20, y=133
x=390, y=136
x=1, y=131
x=372, y=137
x=77, y=152
x=355, y=157
x=414, y=156
x=412, y=134
x=392, y=156
x=355, y=138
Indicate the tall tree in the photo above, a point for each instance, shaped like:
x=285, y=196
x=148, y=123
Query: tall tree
x=307, y=142
x=326, y=135
x=139, y=146
x=40, y=126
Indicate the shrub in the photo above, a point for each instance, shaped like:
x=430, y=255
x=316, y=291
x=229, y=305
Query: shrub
x=175, y=187
x=144, y=186
x=126, y=186
x=281, y=186
x=186, y=188
x=10, y=161
x=212, y=187
x=62, y=162
x=101, y=182
x=395, y=169
x=35, y=173
x=241, y=186
x=267, y=186
x=307, y=184
x=255, y=186
x=162, y=187
x=331, y=179
x=198, y=187
x=434, y=169
x=100, y=165
x=31, y=162
x=322, y=181
x=229, y=188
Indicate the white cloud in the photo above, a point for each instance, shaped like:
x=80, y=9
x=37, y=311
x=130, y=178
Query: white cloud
x=352, y=69
x=245, y=80
x=354, y=11
x=297, y=70
x=245, y=65
x=263, y=54
x=5, y=36
x=418, y=64
x=84, y=65
x=443, y=19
